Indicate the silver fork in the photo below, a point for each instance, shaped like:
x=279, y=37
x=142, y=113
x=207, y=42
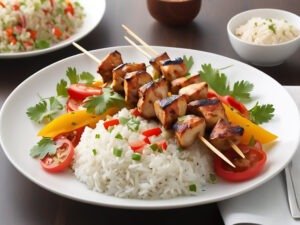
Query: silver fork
x=294, y=207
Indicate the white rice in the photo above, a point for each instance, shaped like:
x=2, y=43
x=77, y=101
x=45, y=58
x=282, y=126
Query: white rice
x=267, y=31
x=158, y=175
x=24, y=16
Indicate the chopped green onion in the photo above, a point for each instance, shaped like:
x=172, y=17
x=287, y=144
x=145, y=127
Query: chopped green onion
x=251, y=141
x=117, y=152
x=94, y=151
x=193, y=187
x=97, y=136
x=123, y=120
x=154, y=147
x=119, y=136
x=136, y=156
x=212, y=178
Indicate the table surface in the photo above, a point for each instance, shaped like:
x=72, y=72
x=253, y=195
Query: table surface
x=22, y=202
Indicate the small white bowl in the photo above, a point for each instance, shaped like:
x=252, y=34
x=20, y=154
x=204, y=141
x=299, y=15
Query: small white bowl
x=263, y=55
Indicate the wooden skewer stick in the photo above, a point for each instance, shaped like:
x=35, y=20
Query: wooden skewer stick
x=237, y=149
x=98, y=61
x=140, y=40
x=216, y=151
x=138, y=47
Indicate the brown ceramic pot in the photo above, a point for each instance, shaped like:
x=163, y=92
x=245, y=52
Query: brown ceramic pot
x=174, y=12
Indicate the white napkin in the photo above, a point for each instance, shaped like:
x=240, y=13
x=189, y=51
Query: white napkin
x=268, y=204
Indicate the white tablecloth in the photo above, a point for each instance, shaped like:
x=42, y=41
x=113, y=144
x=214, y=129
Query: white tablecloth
x=268, y=204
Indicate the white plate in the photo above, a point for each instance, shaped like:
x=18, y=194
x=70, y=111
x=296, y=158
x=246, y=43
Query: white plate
x=94, y=11
x=18, y=133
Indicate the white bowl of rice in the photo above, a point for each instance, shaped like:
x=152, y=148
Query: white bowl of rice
x=264, y=37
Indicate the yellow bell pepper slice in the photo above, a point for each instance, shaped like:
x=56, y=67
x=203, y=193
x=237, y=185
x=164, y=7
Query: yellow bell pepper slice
x=251, y=130
x=72, y=121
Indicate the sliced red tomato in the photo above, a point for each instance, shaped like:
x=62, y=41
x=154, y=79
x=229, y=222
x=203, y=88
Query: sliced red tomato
x=73, y=136
x=137, y=146
x=248, y=168
x=73, y=105
x=33, y=34
x=109, y=123
x=152, y=132
x=62, y=159
x=82, y=91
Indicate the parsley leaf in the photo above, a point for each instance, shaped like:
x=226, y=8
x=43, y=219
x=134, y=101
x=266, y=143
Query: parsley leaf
x=241, y=91
x=41, y=44
x=44, y=110
x=99, y=104
x=42, y=148
x=216, y=80
x=261, y=113
x=61, y=88
x=133, y=124
x=72, y=75
x=219, y=83
x=87, y=77
x=84, y=77
x=189, y=62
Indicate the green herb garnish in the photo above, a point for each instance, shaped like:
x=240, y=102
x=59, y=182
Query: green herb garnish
x=193, y=188
x=189, y=62
x=136, y=156
x=44, y=110
x=94, y=151
x=261, y=113
x=117, y=152
x=219, y=83
x=119, y=136
x=42, y=148
x=41, y=44
x=99, y=104
x=97, y=136
x=272, y=28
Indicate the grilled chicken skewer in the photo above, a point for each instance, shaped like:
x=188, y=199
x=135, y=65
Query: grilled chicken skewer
x=190, y=94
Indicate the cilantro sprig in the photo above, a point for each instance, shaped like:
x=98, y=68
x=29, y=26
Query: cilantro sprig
x=42, y=148
x=99, y=104
x=219, y=83
x=261, y=113
x=44, y=110
x=189, y=62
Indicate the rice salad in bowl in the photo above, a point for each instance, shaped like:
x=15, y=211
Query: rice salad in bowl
x=105, y=162
x=27, y=25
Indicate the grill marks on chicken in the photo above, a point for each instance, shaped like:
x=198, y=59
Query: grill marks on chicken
x=118, y=74
x=132, y=82
x=181, y=82
x=172, y=69
x=188, y=128
x=109, y=62
x=169, y=109
x=224, y=133
x=194, y=91
x=148, y=94
x=211, y=109
x=157, y=62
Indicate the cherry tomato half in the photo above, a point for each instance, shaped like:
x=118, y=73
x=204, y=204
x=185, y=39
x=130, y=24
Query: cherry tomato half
x=62, y=159
x=251, y=166
x=73, y=136
x=82, y=91
x=73, y=105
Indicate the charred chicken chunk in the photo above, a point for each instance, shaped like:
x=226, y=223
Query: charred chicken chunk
x=181, y=82
x=169, y=109
x=120, y=72
x=158, y=61
x=109, y=62
x=211, y=109
x=132, y=82
x=194, y=91
x=172, y=69
x=188, y=128
x=148, y=94
x=224, y=133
